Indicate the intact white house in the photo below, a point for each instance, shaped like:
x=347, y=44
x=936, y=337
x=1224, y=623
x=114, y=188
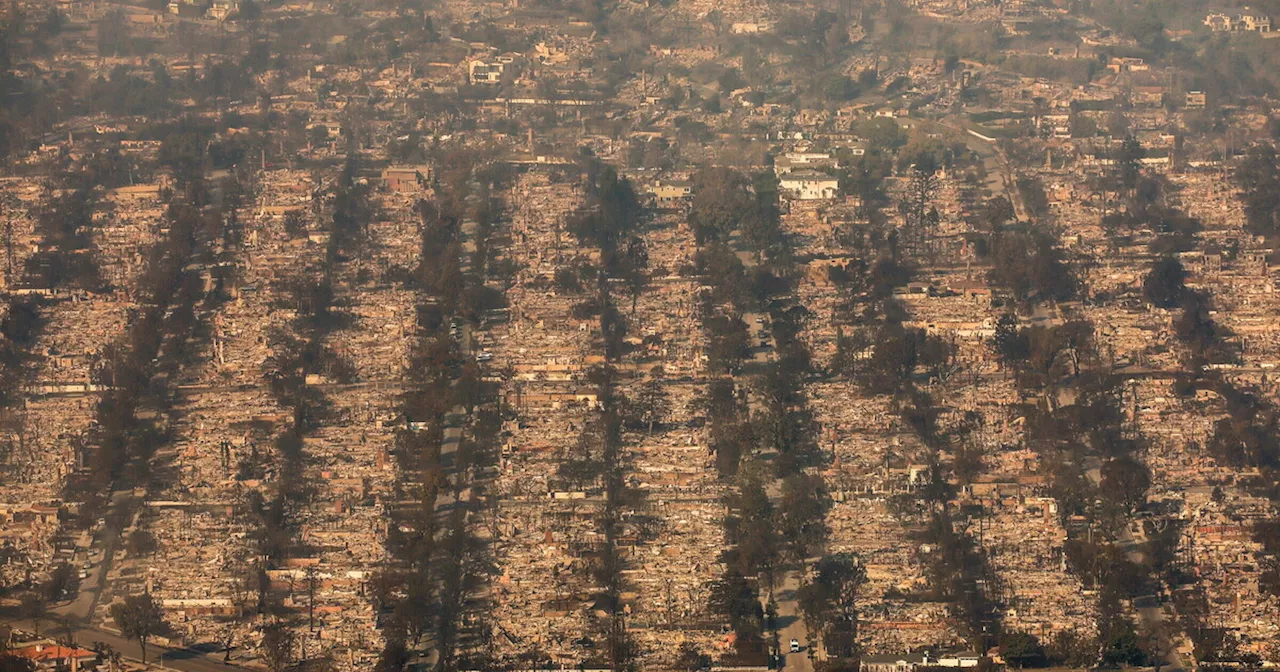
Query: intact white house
x=809, y=185
x=673, y=193
x=911, y=661
x=1244, y=21
x=793, y=161
x=490, y=70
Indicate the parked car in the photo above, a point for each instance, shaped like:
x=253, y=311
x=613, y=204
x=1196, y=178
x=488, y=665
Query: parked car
x=795, y=646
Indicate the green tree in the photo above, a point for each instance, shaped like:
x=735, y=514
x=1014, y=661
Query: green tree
x=1009, y=341
x=691, y=659
x=752, y=526
x=249, y=11
x=295, y=223
x=1125, y=482
x=634, y=269
x=469, y=389
x=1163, y=286
x=729, y=341
x=1021, y=649
x=830, y=603
x=139, y=617
x=1269, y=578
x=394, y=656
x=1122, y=646
x=1030, y=264
x=141, y=543
x=803, y=513
x=997, y=212
x=1082, y=126
x=1071, y=649
x=1127, y=162
x=721, y=200
x=113, y=34
x=881, y=133
x=736, y=599
x=1197, y=328
x=612, y=209
x=1031, y=189
x=653, y=402
x=1259, y=178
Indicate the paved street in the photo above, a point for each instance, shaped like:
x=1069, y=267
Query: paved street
x=1152, y=617
x=792, y=624
x=186, y=660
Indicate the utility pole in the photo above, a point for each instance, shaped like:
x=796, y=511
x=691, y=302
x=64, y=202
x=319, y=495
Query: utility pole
x=312, y=580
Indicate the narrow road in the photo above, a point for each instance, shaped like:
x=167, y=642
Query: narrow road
x=81, y=608
x=1152, y=617
x=999, y=175
x=791, y=624
x=1151, y=614
x=759, y=338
